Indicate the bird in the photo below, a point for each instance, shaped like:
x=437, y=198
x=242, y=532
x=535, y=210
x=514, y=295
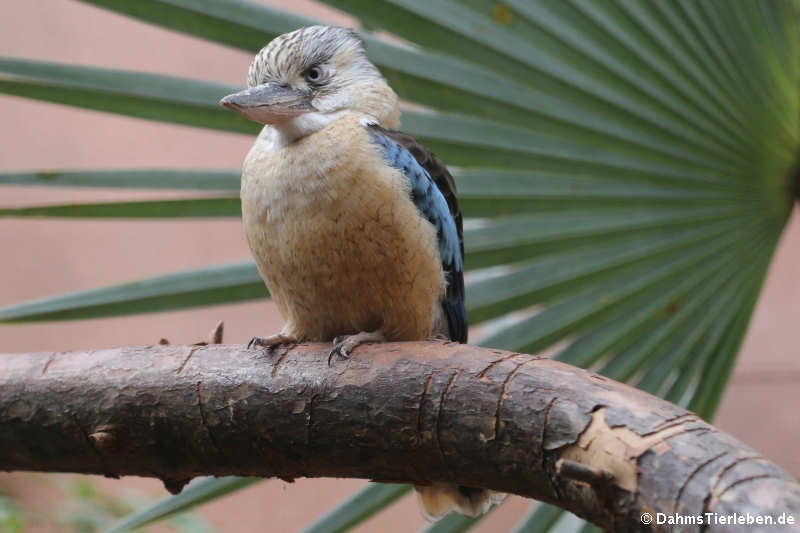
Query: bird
x=354, y=226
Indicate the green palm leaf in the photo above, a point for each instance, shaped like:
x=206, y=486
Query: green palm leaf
x=483, y=192
x=415, y=76
x=462, y=140
x=194, y=207
x=372, y=498
x=136, y=94
x=624, y=168
x=238, y=282
x=453, y=523
x=127, y=179
x=540, y=518
x=197, y=492
x=205, y=286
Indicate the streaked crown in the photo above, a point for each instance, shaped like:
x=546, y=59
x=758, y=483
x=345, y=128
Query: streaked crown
x=291, y=54
x=329, y=64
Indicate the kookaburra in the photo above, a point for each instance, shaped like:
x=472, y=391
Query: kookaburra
x=354, y=226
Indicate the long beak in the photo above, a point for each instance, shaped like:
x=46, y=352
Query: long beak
x=269, y=103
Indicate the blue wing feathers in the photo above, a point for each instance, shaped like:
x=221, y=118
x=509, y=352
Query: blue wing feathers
x=427, y=197
x=432, y=204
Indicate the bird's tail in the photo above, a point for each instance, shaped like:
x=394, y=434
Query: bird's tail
x=438, y=499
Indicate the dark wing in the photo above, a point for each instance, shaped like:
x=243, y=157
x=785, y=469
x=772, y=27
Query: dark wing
x=433, y=191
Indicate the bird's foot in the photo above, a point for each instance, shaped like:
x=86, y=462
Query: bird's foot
x=271, y=342
x=342, y=346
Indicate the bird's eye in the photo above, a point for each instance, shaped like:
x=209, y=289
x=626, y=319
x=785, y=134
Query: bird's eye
x=314, y=74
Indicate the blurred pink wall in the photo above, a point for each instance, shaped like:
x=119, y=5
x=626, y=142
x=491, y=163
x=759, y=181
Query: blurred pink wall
x=50, y=257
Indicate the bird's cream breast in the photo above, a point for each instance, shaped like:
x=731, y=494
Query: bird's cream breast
x=337, y=238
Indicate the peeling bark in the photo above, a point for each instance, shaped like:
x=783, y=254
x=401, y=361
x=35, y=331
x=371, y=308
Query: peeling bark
x=418, y=412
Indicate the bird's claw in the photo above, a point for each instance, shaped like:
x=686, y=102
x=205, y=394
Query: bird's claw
x=339, y=349
x=270, y=342
x=345, y=344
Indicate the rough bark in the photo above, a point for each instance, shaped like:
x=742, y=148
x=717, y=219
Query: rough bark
x=403, y=412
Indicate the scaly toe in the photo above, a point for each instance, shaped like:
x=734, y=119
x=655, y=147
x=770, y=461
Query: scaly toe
x=271, y=341
x=345, y=344
x=340, y=350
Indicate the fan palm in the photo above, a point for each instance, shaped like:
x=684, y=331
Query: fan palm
x=625, y=169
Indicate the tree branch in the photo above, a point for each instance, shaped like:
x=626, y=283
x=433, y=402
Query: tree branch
x=404, y=412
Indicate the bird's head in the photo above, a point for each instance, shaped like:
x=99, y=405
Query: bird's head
x=304, y=79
